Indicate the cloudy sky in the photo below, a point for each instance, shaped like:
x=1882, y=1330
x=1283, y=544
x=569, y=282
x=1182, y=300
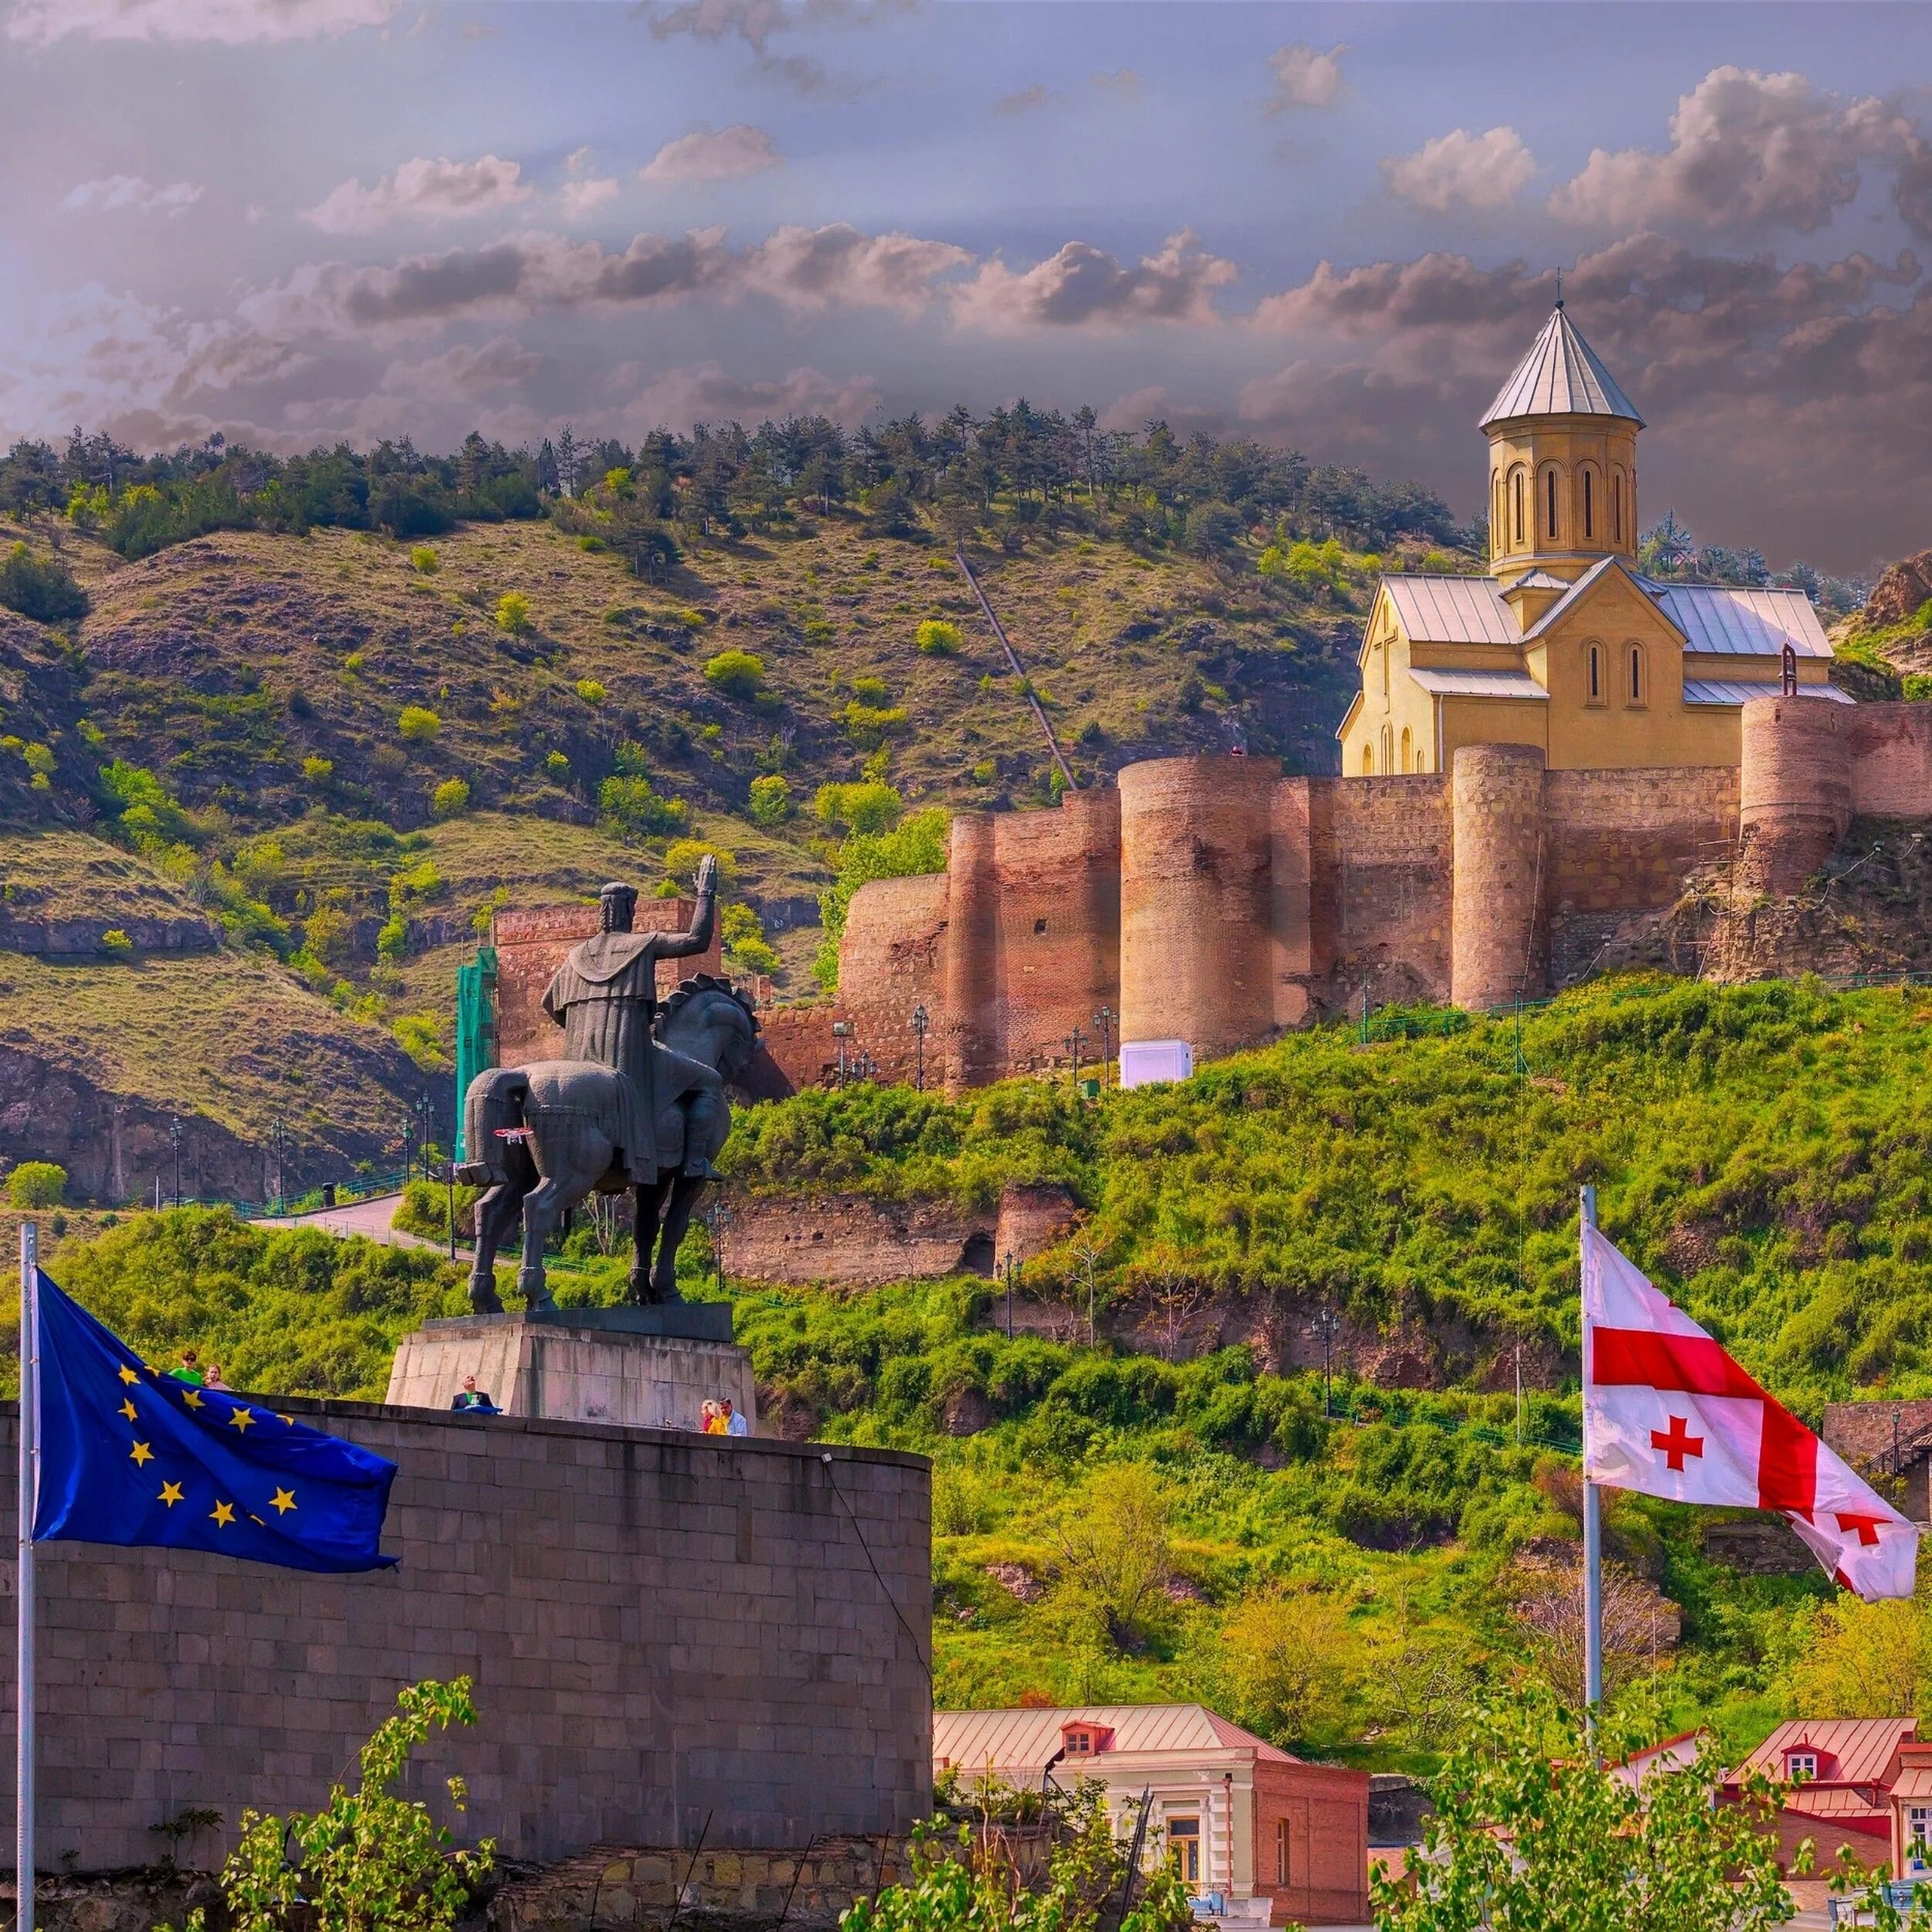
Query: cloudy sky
x=299, y=220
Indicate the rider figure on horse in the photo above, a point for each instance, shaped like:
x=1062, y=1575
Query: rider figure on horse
x=605, y=998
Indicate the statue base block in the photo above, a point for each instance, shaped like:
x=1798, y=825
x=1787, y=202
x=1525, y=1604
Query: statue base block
x=636, y=1368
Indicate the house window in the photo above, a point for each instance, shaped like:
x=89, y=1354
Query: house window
x=1918, y=1829
x=1801, y=1764
x=1637, y=674
x=1590, y=508
x=1184, y=1848
x=1596, y=673
x=1080, y=1743
x=1549, y=491
x=1280, y=1851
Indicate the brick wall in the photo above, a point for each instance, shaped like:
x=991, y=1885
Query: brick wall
x=1626, y=841
x=1389, y=888
x=1325, y=1810
x=661, y=1629
x=889, y=964
x=531, y=943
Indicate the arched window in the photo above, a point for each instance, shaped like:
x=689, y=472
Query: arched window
x=1637, y=684
x=1617, y=506
x=1368, y=761
x=1549, y=500
x=1590, y=506
x=1596, y=691
x=1515, y=482
x=1408, y=753
x=1388, y=750
x=1498, y=527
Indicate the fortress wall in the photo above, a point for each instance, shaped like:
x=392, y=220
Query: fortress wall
x=890, y=961
x=1795, y=787
x=1392, y=845
x=1197, y=947
x=1059, y=880
x=1497, y=935
x=1891, y=748
x=969, y=1033
x=530, y=946
x=1619, y=841
x=661, y=1629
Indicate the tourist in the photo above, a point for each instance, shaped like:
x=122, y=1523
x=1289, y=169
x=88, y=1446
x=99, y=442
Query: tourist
x=709, y=1422
x=190, y=1369
x=475, y=1401
x=734, y=1424
x=212, y=1379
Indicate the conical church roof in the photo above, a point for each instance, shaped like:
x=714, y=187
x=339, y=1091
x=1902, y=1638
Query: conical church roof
x=1560, y=376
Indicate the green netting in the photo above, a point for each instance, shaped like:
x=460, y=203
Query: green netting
x=475, y=1028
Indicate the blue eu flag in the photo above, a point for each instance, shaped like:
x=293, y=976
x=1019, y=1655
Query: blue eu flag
x=131, y=1455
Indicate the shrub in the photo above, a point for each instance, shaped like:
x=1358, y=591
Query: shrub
x=868, y=808
x=630, y=809
x=867, y=725
x=450, y=798
x=917, y=846
x=592, y=545
x=681, y=856
x=557, y=765
x=41, y=588
x=318, y=771
x=590, y=691
x=37, y=1184
x=1918, y=687
x=425, y=561
x=738, y=674
x=116, y=944
x=421, y=1038
x=513, y=613
x=745, y=944
x=418, y=724
x=770, y=803
x=391, y=943
x=938, y=639
x=353, y=663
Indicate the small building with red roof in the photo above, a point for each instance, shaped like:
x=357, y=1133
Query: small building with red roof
x=1260, y=1835
x=1846, y=1769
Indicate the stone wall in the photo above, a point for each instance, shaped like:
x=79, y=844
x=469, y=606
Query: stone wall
x=663, y=1629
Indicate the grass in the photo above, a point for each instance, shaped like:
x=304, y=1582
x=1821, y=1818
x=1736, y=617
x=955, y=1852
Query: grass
x=57, y=874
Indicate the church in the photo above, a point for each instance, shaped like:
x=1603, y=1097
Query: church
x=1566, y=645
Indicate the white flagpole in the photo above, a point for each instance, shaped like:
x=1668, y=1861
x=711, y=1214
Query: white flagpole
x=27, y=1493
x=1593, y=1521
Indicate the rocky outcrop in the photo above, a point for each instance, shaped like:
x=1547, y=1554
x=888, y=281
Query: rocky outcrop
x=84, y=938
x=1900, y=593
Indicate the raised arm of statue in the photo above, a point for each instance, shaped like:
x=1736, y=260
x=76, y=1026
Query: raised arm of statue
x=677, y=945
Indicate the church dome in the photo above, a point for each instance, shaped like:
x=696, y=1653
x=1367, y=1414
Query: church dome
x=1561, y=375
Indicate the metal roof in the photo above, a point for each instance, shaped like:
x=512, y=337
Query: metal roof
x=1729, y=622
x=1560, y=376
x=1741, y=691
x=1452, y=610
x=1024, y=1741
x=1480, y=684
x=1851, y=1750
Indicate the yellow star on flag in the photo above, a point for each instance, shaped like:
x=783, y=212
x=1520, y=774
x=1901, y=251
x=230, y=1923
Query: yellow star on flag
x=240, y=1419
x=127, y=1410
x=128, y=1374
x=289, y=1420
x=170, y=1493
x=222, y=1513
x=282, y=1501
x=142, y=1455
x=192, y=1397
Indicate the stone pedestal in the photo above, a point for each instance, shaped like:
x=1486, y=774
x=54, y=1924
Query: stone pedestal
x=636, y=1367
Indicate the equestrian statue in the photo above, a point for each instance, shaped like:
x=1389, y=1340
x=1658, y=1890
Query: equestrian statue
x=637, y=1102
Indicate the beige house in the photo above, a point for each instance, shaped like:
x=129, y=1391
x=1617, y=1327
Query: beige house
x=1566, y=645
x=1262, y=1836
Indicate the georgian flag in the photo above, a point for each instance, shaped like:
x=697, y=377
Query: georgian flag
x=1666, y=1411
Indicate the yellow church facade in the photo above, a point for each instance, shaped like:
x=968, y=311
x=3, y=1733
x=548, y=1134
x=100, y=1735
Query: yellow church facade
x=1565, y=645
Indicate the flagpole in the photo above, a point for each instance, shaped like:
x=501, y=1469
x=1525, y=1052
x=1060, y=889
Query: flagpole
x=1592, y=1521
x=27, y=1494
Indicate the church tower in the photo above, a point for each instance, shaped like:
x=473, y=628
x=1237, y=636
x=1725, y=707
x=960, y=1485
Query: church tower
x=1562, y=470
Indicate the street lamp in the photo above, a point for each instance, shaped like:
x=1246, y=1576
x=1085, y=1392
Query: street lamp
x=841, y=1032
x=720, y=1220
x=1327, y=1323
x=1073, y=1042
x=426, y=1111
x=173, y=1140
x=409, y=1146
x=921, y=1020
x=1104, y=1018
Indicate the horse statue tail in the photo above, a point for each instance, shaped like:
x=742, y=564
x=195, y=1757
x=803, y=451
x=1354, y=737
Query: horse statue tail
x=493, y=1112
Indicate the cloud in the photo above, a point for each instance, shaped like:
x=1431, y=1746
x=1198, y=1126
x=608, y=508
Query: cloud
x=464, y=369
x=802, y=269
x=1026, y=99
x=1305, y=77
x=578, y=199
x=117, y=194
x=1749, y=151
x=1083, y=286
x=422, y=189
x=755, y=22
x=1121, y=82
x=228, y=22
x=678, y=398
x=701, y=156
x=1462, y=172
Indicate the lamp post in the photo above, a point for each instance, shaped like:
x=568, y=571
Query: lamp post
x=921, y=1020
x=720, y=1220
x=277, y=1138
x=1073, y=1042
x=426, y=1113
x=841, y=1032
x=174, y=1141
x=1103, y=1018
x=1326, y=1323
x=409, y=1146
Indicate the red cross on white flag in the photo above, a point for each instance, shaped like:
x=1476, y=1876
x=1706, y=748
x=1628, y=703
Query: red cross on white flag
x=1667, y=1412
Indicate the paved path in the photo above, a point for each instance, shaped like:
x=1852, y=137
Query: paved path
x=369, y=1217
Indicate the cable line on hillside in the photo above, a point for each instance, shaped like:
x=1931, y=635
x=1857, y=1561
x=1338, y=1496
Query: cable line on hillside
x=1019, y=671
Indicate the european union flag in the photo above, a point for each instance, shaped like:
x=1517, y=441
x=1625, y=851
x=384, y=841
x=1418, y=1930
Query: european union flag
x=131, y=1455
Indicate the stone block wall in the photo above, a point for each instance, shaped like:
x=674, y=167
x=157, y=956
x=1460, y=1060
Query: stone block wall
x=662, y=1629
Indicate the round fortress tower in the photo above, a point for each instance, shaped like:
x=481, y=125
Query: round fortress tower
x=971, y=952
x=1196, y=941
x=1794, y=788
x=1497, y=807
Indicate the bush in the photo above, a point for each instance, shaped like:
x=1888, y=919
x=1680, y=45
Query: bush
x=513, y=613
x=630, y=809
x=116, y=944
x=37, y=1184
x=557, y=765
x=738, y=674
x=745, y=944
x=425, y=561
x=681, y=859
x=590, y=691
x=418, y=724
x=938, y=639
x=868, y=808
x=318, y=771
x=41, y=588
x=867, y=725
x=420, y=1037
x=917, y=846
x=450, y=798
x=770, y=803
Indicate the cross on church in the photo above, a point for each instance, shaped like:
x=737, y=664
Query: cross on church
x=1678, y=1444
